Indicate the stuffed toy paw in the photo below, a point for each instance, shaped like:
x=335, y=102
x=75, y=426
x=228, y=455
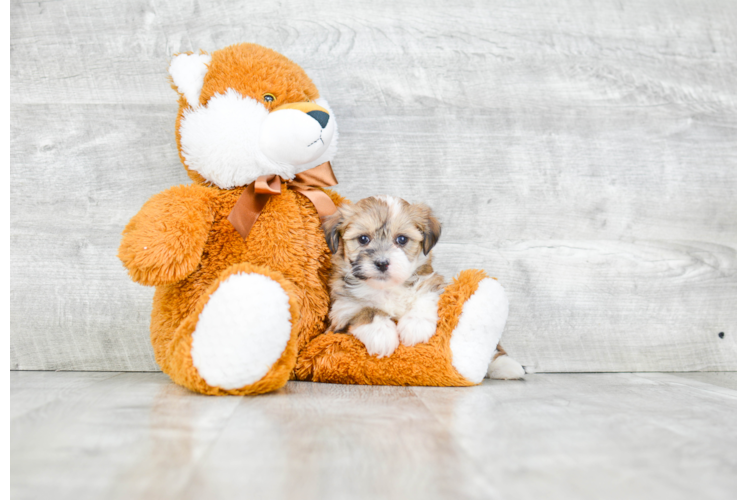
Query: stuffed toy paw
x=240, y=262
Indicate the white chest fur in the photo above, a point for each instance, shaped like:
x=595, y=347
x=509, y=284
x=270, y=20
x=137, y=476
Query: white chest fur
x=395, y=301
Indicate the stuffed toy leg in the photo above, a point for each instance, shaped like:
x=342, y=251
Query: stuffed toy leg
x=472, y=313
x=229, y=345
x=232, y=326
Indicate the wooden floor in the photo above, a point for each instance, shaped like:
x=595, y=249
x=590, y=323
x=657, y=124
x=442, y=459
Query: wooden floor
x=137, y=435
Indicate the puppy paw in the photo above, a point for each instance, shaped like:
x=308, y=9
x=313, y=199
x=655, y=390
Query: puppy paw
x=414, y=329
x=379, y=337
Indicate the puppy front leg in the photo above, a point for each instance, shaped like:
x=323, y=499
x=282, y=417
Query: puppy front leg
x=419, y=324
x=376, y=330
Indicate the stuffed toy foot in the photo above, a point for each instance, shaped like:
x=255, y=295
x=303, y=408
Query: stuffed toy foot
x=472, y=312
x=240, y=338
x=505, y=368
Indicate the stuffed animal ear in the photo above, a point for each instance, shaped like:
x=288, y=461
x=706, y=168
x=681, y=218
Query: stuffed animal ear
x=187, y=72
x=332, y=226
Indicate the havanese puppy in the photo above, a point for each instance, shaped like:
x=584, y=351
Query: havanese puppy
x=383, y=288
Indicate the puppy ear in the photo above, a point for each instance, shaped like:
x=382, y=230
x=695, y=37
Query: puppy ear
x=331, y=226
x=431, y=228
x=431, y=235
x=188, y=72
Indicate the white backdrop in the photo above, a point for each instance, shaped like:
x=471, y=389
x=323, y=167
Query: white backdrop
x=582, y=152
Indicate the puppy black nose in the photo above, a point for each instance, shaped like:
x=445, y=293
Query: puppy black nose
x=382, y=265
x=320, y=116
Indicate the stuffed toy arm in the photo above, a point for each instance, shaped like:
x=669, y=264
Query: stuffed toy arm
x=164, y=241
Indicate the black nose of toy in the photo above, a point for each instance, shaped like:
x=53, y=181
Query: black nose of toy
x=382, y=265
x=320, y=116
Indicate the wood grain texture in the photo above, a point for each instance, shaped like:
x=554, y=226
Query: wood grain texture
x=584, y=156
x=617, y=436
x=581, y=436
x=101, y=435
x=742, y=313
x=29, y=393
x=578, y=305
x=74, y=306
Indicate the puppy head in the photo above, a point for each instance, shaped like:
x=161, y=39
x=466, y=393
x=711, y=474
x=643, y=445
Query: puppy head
x=383, y=239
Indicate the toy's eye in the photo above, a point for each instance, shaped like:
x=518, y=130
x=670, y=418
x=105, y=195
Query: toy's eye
x=363, y=239
x=268, y=97
x=401, y=240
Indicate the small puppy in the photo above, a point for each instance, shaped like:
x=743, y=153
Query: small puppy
x=382, y=272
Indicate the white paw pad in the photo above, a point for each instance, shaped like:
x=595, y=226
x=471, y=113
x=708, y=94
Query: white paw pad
x=242, y=331
x=379, y=336
x=479, y=330
x=505, y=368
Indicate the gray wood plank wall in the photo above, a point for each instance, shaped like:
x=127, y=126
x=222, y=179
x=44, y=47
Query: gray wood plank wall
x=582, y=152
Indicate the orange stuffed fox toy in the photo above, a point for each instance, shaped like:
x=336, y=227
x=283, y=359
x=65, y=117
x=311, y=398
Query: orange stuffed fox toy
x=239, y=260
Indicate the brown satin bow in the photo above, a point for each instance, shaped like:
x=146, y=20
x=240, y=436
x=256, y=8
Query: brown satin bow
x=254, y=197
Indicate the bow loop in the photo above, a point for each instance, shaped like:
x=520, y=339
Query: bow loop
x=254, y=197
x=268, y=184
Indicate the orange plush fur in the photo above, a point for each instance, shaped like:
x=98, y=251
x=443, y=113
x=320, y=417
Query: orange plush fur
x=182, y=243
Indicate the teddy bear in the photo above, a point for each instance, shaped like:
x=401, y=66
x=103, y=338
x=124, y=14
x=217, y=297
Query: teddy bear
x=238, y=258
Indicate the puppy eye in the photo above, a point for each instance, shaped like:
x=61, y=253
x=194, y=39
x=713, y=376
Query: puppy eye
x=363, y=239
x=401, y=240
x=268, y=97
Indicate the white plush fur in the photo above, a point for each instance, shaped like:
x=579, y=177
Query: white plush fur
x=293, y=137
x=505, y=368
x=479, y=330
x=242, y=331
x=220, y=141
x=379, y=336
x=419, y=324
x=188, y=73
x=329, y=153
x=226, y=141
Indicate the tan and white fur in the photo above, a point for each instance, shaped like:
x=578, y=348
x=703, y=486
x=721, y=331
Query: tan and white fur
x=383, y=288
